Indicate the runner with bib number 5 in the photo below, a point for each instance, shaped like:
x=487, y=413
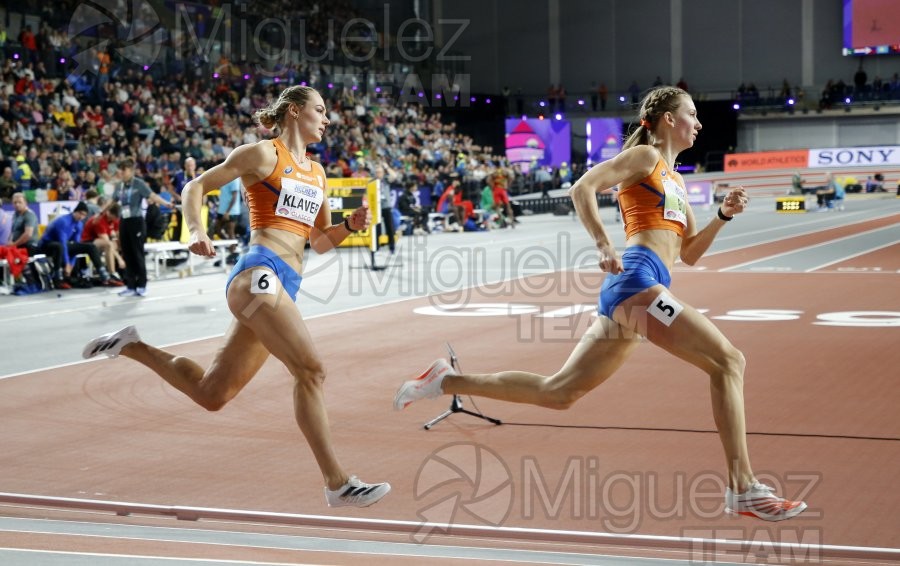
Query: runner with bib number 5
x=635, y=299
x=288, y=206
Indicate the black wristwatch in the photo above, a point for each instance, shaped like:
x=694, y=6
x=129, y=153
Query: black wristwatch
x=723, y=217
x=351, y=230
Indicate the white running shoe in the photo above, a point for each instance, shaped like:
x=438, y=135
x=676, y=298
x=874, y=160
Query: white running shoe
x=355, y=493
x=111, y=344
x=426, y=386
x=761, y=502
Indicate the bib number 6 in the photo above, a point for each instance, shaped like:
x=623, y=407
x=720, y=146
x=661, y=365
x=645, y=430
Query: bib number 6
x=263, y=282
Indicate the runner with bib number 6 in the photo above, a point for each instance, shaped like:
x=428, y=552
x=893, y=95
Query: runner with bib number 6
x=286, y=197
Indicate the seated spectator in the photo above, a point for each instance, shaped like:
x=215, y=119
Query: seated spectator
x=23, y=174
x=502, y=202
x=61, y=243
x=158, y=216
x=229, y=210
x=465, y=212
x=446, y=204
x=94, y=201
x=797, y=184
x=102, y=230
x=25, y=225
x=407, y=202
x=831, y=191
x=875, y=184
x=487, y=203
x=8, y=184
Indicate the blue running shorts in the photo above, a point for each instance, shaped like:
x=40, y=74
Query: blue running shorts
x=261, y=256
x=642, y=269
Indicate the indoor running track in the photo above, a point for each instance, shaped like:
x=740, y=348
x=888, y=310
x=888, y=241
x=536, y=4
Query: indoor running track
x=104, y=464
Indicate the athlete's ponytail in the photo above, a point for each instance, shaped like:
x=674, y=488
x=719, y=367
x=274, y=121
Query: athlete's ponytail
x=273, y=114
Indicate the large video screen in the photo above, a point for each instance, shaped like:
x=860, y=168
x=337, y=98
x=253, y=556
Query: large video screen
x=871, y=27
x=533, y=143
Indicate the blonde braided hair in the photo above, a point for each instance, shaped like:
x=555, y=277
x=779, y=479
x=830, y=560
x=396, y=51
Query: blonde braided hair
x=655, y=103
x=273, y=114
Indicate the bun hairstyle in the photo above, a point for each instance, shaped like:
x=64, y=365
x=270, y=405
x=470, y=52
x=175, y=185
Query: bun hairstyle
x=655, y=103
x=273, y=114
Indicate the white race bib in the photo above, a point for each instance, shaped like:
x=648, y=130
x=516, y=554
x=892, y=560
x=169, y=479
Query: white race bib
x=263, y=282
x=676, y=202
x=299, y=201
x=665, y=308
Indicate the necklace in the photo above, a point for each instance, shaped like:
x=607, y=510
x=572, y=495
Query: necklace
x=297, y=159
x=301, y=162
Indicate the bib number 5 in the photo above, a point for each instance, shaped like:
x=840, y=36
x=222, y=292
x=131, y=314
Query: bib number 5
x=665, y=308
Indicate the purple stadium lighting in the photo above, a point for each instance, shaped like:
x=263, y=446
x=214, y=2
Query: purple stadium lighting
x=215, y=75
x=523, y=116
x=455, y=97
x=473, y=99
x=330, y=85
x=246, y=77
x=736, y=106
x=62, y=60
x=146, y=67
x=487, y=101
x=790, y=101
x=303, y=83
x=542, y=104
x=377, y=89
x=558, y=116
x=421, y=95
x=438, y=96
x=353, y=87
x=621, y=99
x=15, y=55
x=580, y=102
x=277, y=80
x=847, y=100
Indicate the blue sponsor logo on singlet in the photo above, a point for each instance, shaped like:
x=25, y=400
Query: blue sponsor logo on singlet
x=309, y=191
x=288, y=169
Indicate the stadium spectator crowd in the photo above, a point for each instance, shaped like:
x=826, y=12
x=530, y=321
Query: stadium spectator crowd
x=65, y=127
x=63, y=134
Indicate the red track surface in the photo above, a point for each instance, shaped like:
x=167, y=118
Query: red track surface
x=821, y=403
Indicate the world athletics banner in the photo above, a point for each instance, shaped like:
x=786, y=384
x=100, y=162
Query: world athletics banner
x=884, y=156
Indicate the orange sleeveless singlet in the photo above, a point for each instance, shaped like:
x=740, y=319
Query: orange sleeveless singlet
x=657, y=202
x=290, y=198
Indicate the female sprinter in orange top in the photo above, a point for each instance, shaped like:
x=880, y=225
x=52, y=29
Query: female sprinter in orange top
x=288, y=206
x=635, y=298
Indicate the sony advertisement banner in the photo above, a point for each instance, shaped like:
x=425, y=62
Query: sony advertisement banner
x=883, y=156
x=830, y=157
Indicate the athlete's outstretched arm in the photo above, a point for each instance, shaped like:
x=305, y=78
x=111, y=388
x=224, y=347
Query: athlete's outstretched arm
x=243, y=161
x=325, y=236
x=695, y=243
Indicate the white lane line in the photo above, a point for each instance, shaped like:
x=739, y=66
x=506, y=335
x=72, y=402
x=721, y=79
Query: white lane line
x=851, y=256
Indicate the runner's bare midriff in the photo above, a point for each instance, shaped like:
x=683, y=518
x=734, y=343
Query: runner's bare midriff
x=664, y=243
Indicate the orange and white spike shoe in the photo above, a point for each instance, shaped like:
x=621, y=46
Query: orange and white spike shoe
x=761, y=502
x=426, y=386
